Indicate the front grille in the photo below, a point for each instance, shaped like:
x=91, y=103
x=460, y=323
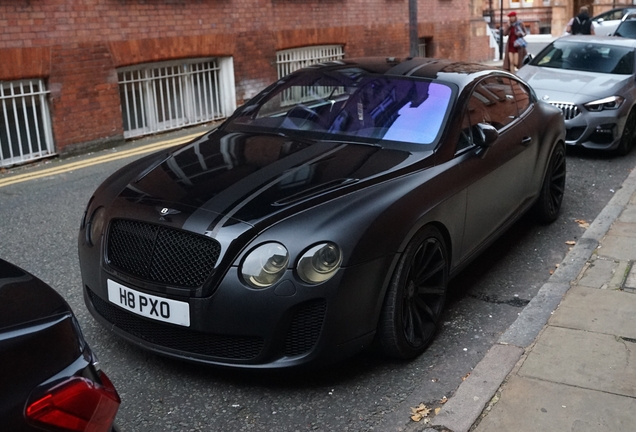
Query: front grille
x=160, y=254
x=569, y=110
x=305, y=328
x=219, y=346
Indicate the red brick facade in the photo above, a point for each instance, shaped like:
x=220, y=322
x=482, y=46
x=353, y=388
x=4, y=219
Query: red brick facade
x=76, y=46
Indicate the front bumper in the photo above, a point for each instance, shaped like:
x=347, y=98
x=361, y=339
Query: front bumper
x=596, y=130
x=286, y=325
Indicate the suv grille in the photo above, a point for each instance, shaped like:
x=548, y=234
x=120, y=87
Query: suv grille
x=221, y=346
x=161, y=254
x=569, y=110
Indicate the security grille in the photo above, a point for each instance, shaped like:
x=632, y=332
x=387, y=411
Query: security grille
x=290, y=60
x=569, y=110
x=297, y=58
x=25, y=123
x=165, y=96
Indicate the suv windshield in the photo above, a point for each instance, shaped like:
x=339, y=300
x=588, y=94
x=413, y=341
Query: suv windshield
x=349, y=104
x=589, y=57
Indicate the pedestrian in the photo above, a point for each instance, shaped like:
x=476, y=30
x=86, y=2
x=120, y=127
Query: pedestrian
x=516, y=45
x=581, y=24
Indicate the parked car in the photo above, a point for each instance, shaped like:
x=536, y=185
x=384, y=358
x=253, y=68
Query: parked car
x=606, y=23
x=627, y=26
x=330, y=209
x=50, y=377
x=591, y=79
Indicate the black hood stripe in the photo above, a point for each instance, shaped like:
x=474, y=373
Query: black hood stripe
x=241, y=193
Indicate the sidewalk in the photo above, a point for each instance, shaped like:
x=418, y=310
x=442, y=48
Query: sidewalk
x=568, y=363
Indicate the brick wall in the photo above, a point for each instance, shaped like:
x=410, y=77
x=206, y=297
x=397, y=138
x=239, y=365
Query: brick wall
x=76, y=45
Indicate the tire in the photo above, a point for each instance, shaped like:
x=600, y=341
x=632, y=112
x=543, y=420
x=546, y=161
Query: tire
x=415, y=299
x=627, y=139
x=548, y=205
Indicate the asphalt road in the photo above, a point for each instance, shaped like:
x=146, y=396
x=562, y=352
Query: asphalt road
x=40, y=220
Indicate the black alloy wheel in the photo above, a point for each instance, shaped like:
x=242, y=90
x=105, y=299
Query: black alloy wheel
x=550, y=199
x=627, y=139
x=416, y=296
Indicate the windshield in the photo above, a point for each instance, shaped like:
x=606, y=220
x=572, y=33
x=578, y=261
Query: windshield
x=352, y=105
x=587, y=57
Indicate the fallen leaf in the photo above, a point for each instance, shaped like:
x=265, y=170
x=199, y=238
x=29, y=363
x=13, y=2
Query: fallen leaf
x=419, y=412
x=582, y=223
x=551, y=272
x=465, y=376
x=437, y=410
x=443, y=400
x=570, y=242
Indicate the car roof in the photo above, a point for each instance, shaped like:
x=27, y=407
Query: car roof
x=457, y=72
x=605, y=40
x=623, y=9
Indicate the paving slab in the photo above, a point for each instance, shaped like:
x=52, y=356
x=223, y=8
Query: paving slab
x=618, y=247
x=623, y=229
x=599, y=311
x=628, y=215
x=599, y=272
x=584, y=359
x=529, y=405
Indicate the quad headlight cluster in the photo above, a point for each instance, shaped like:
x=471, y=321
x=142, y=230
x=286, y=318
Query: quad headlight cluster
x=266, y=264
x=608, y=103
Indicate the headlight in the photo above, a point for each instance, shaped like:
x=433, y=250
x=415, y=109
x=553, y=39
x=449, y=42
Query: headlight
x=612, y=102
x=265, y=265
x=95, y=226
x=319, y=263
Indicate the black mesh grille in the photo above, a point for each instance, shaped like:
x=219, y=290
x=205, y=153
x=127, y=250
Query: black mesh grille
x=220, y=346
x=161, y=254
x=305, y=328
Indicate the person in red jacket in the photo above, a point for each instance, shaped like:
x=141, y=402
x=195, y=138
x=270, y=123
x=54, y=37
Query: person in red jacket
x=516, y=46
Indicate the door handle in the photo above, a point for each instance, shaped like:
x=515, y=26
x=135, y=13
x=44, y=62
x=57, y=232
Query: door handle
x=525, y=141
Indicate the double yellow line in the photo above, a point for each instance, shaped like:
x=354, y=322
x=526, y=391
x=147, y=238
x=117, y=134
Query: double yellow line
x=66, y=167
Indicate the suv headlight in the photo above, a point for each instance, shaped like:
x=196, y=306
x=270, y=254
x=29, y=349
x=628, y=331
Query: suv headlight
x=265, y=265
x=319, y=263
x=608, y=103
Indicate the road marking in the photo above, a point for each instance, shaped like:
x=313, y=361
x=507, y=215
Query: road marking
x=19, y=178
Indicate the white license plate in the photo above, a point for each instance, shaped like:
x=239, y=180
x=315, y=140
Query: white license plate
x=157, y=308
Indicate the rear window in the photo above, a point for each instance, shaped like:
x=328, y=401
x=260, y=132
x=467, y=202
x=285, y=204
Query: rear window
x=587, y=57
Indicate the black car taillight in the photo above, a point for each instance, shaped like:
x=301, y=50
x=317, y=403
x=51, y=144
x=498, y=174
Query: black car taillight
x=77, y=404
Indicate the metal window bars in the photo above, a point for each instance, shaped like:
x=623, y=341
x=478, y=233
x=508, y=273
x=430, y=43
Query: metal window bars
x=167, y=96
x=25, y=123
x=287, y=61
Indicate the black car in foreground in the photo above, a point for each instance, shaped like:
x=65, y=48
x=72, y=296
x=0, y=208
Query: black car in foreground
x=49, y=378
x=330, y=210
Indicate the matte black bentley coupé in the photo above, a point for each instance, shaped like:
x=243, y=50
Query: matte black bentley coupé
x=329, y=210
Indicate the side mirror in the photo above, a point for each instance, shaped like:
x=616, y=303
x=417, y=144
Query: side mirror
x=484, y=135
x=527, y=59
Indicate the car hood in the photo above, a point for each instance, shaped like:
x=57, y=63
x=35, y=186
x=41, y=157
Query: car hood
x=558, y=85
x=230, y=178
x=24, y=298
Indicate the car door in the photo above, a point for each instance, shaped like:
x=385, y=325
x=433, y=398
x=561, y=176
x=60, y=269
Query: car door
x=499, y=176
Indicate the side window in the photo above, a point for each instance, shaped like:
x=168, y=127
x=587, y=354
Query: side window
x=522, y=96
x=476, y=112
x=465, y=135
x=502, y=108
